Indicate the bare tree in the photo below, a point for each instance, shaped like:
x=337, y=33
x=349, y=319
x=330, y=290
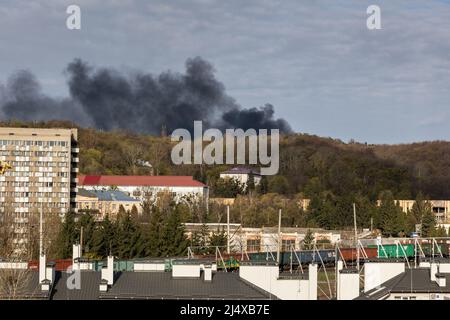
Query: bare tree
x=14, y=274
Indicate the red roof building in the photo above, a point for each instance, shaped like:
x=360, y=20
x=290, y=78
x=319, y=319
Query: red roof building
x=139, y=187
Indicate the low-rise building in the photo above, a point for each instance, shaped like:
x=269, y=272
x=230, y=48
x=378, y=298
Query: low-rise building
x=266, y=238
x=148, y=187
x=106, y=202
x=392, y=280
x=242, y=175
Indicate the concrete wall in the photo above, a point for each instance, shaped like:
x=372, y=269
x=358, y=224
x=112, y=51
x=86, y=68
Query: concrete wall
x=186, y=271
x=348, y=288
x=266, y=278
x=146, y=266
x=376, y=273
x=13, y=265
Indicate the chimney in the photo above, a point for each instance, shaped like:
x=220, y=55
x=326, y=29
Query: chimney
x=312, y=281
x=107, y=275
x=207, y=271
x=42, y=267
x=440, y=280
x=433, y=270
x=46, y=273
x=76, y=254
x=348, y=284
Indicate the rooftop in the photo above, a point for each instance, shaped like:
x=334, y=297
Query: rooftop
x=411, y=281
x=147, y=181
x=106, y=195
x=157, y=285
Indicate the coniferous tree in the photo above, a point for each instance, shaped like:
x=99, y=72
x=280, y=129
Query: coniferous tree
x=104, y=241
x=174, y=241
x=390, y=214
x=218, y=238
x=250, y=183
x=428, y=224
x=155, y=234
x=308, y=241
x=263, y=185
x=66, y=237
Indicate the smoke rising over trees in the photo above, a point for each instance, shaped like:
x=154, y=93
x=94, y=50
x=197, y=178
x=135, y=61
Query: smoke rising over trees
x=140, y=102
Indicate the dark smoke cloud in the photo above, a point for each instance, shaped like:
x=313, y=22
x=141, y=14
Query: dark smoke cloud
x=141, y=102
x=261, y=118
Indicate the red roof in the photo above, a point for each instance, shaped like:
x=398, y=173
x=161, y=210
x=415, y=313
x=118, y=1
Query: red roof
x=148, y=181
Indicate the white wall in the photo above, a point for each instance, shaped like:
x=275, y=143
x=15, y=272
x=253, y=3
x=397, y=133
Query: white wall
x=376, y=273
x=348, y=288
x=266, y=278
x=13, y=265
x=185, y=271
x=146, y=266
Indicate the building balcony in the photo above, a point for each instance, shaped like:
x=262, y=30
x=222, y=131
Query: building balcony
x=75, y=159
x=75, y=150
x=74, y=170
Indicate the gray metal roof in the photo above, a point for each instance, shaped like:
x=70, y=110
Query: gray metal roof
x=151, y=285
x=89, y=289
x=107, y=195
x=161, y=285
x=411, y=281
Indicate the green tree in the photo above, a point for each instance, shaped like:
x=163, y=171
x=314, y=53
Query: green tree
x=428, y=224
x=218, y=238
x=278, y=184
x=308, y=241
x=66, y=237
x=390, y=214
x=129, y=238
x=227, y=188
x=155, y=234
x=174, y=239
x=103, y=238
x=250, y=183
x=263, y=186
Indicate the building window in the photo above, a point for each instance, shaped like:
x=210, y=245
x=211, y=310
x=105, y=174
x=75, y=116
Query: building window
x=287, y=244
x=253, y=245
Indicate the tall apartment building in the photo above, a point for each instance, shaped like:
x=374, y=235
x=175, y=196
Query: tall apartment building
x=44, y=170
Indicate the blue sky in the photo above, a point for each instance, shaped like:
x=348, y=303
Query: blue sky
x=315, y=61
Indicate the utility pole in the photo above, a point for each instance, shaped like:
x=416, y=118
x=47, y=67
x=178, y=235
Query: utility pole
x=41, y=246
x=279, y=236
x=228, y=229
x=356, y=236
x=81, y=242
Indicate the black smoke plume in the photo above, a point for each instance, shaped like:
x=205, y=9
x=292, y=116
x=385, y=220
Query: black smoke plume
x=139, y=102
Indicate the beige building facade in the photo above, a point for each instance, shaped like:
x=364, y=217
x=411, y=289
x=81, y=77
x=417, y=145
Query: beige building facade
x=106, y=203
x=44, y=170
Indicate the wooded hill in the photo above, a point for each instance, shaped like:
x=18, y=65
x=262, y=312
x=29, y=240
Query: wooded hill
x=308, y=164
